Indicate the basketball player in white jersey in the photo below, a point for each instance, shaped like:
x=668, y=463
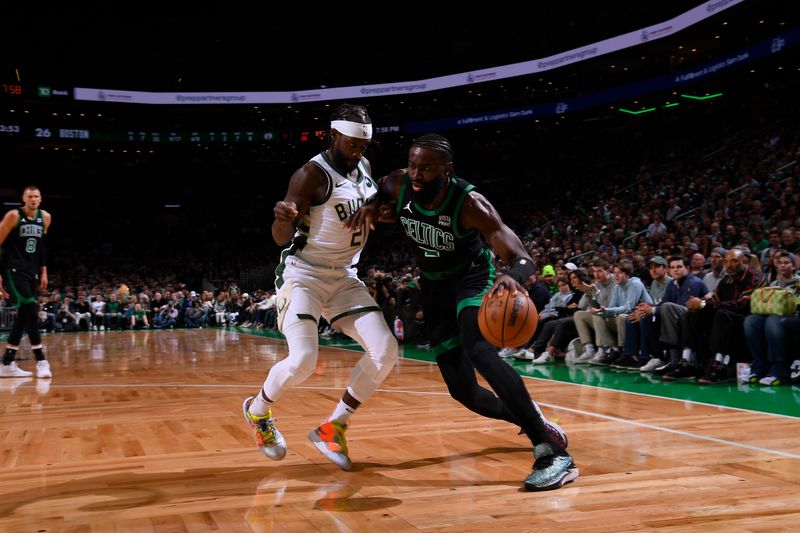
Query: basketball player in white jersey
x=317, y=277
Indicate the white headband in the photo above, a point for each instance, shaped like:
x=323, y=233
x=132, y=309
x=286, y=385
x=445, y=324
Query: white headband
x=352, y=129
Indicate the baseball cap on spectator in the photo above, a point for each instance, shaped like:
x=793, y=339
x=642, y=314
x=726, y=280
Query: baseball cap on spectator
x=719, y=250
x=657, y=259
x=548, y=270
x=744, y=249
x=192, y=293
x=571, y=266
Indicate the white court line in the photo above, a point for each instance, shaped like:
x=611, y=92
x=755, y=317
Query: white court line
x=656, y=396
x=634, y=423
x=695, y=402
x=676, y=432
x=553, y=406
x=431, y=393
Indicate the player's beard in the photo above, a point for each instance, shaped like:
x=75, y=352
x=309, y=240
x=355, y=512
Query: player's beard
x=341, y=163
x=429, y=190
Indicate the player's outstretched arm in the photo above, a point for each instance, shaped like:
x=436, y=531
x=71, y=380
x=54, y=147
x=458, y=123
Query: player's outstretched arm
x=382, y=206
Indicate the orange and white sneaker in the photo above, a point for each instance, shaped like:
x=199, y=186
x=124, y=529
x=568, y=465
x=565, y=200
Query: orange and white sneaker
x=329, y=439
x=268, y=438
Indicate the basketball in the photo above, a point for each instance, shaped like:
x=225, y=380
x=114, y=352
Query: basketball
x=506, y=321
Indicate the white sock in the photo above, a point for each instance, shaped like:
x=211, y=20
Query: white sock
x=719, y=357
x=687, y=354
x=588, y=347
x=259, y=406
x=342, y=413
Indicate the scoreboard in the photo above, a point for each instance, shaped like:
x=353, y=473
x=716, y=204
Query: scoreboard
x=45, y=132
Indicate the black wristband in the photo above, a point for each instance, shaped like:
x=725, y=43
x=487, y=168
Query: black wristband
x=521, y=269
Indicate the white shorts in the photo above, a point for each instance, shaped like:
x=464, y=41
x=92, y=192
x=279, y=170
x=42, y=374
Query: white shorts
x=309, y=292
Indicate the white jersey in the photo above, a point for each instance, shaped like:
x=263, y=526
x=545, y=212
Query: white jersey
x=321, y=239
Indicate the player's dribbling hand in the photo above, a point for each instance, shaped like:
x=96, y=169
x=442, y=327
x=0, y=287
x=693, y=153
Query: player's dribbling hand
x=504, y=283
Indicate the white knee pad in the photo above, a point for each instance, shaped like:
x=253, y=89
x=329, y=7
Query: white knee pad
x=303, y=341
x=371, y=331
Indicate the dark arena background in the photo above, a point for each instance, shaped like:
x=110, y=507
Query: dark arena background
x=161, y=142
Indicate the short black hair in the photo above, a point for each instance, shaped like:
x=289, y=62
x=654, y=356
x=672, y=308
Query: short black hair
x=437, y=143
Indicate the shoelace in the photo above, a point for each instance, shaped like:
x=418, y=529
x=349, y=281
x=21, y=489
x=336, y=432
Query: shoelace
x=267, y=427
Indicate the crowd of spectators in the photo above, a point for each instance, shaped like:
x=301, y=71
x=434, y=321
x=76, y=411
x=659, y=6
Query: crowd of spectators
x=619, y=224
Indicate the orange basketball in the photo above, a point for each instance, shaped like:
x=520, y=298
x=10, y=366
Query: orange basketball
x=507, y=322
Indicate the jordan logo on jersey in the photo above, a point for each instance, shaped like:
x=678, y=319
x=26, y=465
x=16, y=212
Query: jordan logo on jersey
x=408, y=206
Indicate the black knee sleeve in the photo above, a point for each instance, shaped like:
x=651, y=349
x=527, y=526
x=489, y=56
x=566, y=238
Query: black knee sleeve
x=29, y=313
x=15, y=335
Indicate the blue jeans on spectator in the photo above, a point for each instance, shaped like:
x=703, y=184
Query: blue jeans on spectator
x=768, y=339
x=639, y=338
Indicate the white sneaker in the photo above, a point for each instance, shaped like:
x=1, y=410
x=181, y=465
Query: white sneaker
x=599, y=357
x=509, y=352
x=524, y=355
x=770, y=381
x=43, y=370
x=651, y=365
x=591, y=350
x=584, y=358
x=11, y=370
x=102, y=328
x=544, y=359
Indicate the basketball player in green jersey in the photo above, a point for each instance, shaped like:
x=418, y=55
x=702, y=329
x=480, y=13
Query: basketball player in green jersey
x=447, y=221
x=23, y=268
x=316, y=277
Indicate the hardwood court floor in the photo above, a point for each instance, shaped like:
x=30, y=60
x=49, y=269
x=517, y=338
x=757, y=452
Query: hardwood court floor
x=143, y=432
